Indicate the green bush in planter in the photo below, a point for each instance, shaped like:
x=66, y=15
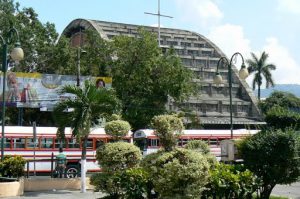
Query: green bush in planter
x=12, y=166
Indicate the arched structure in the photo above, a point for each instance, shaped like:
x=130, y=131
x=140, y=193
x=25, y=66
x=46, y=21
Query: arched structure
x=199, y=55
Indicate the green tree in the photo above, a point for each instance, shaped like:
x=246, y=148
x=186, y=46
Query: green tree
x=278, y=98
x=88, y=106
x=281, y=118
x=261, y=68
x=273, y=156
x=144, y=77
x=167, y=128
x=37, y=39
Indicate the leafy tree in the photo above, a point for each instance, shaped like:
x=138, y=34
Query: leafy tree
x=37, y=39
x=89, y=104
x=283, y=99
x=261, y=68
x=273, y=156
x=144, y=78
x=167, y=129
x=180, y=173
x=281, y=118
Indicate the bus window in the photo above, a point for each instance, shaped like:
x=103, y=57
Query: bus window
x=89, y=143
x=46, y=143
x=153, y=142
x=184, y=142
x=99, y=143
x=213, y=141
x=31, y=143
x=141, y=143
x=60, y=143
x=19, y=143
x=7, y=143
x=73, y=144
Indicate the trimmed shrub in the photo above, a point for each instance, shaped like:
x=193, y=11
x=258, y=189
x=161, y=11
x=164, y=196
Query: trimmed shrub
x=12, y=166
x=118, y=156
x=180, y=173
x=117, y=129
x=199, y=146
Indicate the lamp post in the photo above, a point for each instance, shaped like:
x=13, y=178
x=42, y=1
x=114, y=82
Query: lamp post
x=243, y=74
x=16, y=54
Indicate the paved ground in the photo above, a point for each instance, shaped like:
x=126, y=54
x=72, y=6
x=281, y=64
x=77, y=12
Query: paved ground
x=59, y=194
x=292, y=191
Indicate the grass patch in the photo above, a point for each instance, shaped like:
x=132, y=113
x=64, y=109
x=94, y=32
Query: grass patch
x=278, y=197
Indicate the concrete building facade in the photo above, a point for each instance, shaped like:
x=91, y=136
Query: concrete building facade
x=199, y=55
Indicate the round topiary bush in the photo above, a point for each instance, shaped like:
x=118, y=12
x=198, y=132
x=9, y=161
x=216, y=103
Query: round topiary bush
x=118, y=156
x=117, y=129
x=180, y=173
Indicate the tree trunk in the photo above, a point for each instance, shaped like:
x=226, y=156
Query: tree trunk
x=83, y=166
x=258, y=92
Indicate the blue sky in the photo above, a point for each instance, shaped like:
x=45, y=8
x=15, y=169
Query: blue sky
x=245, y=26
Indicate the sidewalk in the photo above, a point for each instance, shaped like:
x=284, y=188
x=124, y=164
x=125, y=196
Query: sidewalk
x=60, y=194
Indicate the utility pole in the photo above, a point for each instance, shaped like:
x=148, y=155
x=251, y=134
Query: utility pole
x=158, y=16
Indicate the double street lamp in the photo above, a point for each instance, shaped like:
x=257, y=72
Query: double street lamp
x=16, y=54
x=243, y=74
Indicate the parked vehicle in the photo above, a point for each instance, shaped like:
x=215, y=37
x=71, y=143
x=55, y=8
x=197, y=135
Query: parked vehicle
x=20, y=141
x=149, y=142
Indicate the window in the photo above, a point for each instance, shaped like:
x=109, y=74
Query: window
x=19, y=143
x=153, y=142
x=60, y=143
x=99, y=143
x=31, y=143
x=73, y=144
x=46, y=143
x=89, y=144
x=7, y=142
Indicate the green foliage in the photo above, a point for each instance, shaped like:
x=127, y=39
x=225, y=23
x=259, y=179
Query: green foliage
x=118, y=156
x=128, y=184
x=180, y=173
x=199, y=146
x=134, y=182
x=231, y=181
x=89, y=105
x=261, y=68
x=107, y=183
x=167, y=129
x=12, y=166
x=278, y=98
x=281, y=118
x=117, y=129
x=273, y=156
x=144, y=78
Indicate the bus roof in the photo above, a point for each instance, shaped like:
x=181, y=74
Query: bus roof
x=50, y=131
x=142, y=133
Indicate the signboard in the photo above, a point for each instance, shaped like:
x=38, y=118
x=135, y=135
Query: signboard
x=36, y=90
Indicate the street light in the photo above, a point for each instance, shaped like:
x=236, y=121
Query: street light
x=16, y=54
x=243, y=74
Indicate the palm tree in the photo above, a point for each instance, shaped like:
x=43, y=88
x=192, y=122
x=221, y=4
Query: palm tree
x=89, y=104
x=261, y=68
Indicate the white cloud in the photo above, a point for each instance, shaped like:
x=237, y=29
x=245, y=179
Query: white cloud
x=230, y=39
x=288, y=70
x=203, y=13
x=291, y=6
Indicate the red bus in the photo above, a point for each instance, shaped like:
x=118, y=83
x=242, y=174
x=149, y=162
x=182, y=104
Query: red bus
x=19, y=140
x=149, y=142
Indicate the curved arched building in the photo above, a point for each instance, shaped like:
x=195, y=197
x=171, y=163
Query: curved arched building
x=199, y=55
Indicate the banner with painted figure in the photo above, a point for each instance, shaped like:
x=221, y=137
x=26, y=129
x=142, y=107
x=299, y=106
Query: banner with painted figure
x=36, y=90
